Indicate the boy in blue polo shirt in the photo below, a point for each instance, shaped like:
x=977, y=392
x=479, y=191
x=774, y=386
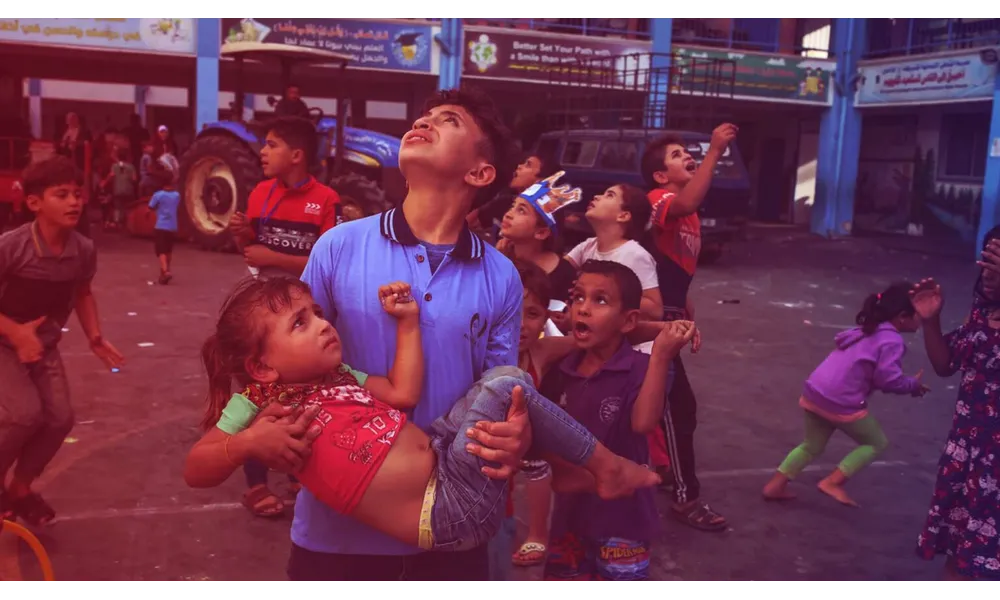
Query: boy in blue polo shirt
x=617, y=393
x=470, y=322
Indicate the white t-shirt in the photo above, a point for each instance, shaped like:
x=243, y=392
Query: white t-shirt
x=632, y=255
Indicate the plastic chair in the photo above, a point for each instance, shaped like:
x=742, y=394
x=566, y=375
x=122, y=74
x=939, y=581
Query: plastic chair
x=33, y=543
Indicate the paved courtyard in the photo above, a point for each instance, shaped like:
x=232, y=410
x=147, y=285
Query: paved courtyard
x=768, y=311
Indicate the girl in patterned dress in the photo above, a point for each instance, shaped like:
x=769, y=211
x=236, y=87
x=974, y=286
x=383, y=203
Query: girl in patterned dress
x=964, y=516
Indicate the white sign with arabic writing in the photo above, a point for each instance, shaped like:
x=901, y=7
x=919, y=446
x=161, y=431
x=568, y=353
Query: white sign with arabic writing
x=931, y=80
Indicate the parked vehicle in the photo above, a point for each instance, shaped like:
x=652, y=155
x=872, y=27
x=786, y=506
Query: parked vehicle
x=595, y=159
x=222, y=166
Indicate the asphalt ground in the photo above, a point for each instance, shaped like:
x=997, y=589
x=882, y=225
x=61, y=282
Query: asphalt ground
x=768, y=311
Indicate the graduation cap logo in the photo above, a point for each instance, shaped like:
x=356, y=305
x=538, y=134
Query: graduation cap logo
x=548, y=198
x=409, y=47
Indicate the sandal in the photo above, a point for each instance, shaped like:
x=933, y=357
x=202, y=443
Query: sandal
x=530, y=554
x=32, y=509
x=700, y=516
x=261, y=502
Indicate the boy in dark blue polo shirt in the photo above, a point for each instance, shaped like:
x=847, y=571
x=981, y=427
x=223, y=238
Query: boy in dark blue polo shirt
x=46, y=268
x=618, y=393
x=470, y=321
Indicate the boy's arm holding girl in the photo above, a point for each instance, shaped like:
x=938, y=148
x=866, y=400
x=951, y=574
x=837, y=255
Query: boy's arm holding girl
x=242, y=433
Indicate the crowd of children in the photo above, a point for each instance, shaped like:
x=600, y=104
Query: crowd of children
x=415, y=445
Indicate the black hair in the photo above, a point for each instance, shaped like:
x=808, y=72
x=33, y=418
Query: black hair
x=637, y=204
x=654, y=156
x=42, y=175
x=299, y=134
x=884, y=307
x=992, y=234
x=498, y=146
x=535, y=281
x=239, y=336
x=549, y=164
x=629, y=287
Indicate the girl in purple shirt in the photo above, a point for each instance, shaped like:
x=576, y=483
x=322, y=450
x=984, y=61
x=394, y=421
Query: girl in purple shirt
x=867, y=358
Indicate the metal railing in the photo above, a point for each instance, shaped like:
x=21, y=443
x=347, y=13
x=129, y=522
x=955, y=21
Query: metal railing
x=759, y=35
x=631, y=91
x=900, y=37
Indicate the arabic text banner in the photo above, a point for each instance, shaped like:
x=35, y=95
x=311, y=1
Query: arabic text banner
x=173, y=36
x=370, y=44
x=940, y=79
x=769, y=76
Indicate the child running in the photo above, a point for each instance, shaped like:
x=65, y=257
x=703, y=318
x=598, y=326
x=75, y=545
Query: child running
x=46, y=271
x=164, y=202
x=965, y=508
x=369, y=463
x=867, y=358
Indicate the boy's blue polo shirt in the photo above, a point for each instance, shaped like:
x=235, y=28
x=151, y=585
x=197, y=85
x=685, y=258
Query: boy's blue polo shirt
x=470, y=322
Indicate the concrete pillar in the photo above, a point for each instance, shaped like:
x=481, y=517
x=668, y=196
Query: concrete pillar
x=990, y=213
x=140, y=102
x=661, y=34
x=452, y=48
x=839, y=137
x=35, y=107
x=209, y=43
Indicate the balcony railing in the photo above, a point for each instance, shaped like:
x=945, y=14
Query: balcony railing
x=895, y=37
x=632, y=29
x=784, y=36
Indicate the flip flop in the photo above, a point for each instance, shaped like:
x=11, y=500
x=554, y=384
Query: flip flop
x=700, y=516
x=530, y=554
x=32, y=509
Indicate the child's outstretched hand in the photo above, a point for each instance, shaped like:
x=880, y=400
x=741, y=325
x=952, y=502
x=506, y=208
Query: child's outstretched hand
x=397, y=300
x=927, y=299
x=674, y=336
x=923, y=389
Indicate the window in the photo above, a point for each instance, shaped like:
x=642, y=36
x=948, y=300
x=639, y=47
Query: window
x=580, y=154
x=619, y=156
x=964, y=139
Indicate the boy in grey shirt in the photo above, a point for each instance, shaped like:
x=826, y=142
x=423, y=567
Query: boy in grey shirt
x=46, y=269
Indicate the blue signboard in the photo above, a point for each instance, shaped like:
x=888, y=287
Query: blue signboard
x=925, y=81
x=370, y=44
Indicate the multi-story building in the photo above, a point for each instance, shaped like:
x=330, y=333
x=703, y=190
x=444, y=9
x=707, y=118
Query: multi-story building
x=885, y=125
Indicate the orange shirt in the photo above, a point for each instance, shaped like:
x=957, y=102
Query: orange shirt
x=678, y=243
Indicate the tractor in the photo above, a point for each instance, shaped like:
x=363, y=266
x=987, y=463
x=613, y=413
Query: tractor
x=222, y=166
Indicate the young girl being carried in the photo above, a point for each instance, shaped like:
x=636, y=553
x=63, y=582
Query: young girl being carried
x=965, y=509
x=368, y=462
x=835, y=396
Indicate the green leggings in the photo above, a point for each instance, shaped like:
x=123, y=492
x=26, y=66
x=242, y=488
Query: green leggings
x=866, y=432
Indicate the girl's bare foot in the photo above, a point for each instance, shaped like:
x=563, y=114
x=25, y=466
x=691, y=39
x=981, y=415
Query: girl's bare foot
x=777, y=488
x=835, y=489
x=622, y=478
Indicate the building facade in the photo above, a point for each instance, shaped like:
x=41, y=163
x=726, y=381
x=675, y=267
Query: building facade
x=869, y=125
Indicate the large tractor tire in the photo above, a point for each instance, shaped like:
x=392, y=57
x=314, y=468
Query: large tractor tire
x=359, y=196
x=218, y=173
